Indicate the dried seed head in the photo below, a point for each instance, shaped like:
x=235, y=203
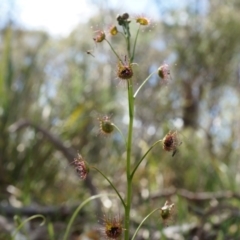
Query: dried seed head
x=106, y=126
x=100, y=36
x=113, y=30
x=113, y=227
x=81, y=167
x=124, y=70
x=164, y=73
x=171, y=141
x=143, y=21
x=166, y=212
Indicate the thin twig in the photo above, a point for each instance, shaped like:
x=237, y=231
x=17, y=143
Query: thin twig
x=195, y=196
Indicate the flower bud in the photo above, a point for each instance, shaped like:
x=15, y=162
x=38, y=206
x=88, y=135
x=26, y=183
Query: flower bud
x=106, y=126
x=142, y=21
x=100, y=36
x=123, y=19
x=166, y=211
x=164, y=72
x=113, y=30
x=125, y=16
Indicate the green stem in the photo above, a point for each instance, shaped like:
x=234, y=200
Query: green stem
x=135, y=43
x=123, y=35
x=134, y=96
x=135, y=169
x=144, y=221
x=129, y=47
x=121, y=134
x=124, y=30
x=77, y=211
x=121, y=199
x=27, y=220
x=113, y=50
x=129, y=152
x=127, y=33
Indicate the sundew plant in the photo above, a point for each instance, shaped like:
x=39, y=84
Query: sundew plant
x=120, y=227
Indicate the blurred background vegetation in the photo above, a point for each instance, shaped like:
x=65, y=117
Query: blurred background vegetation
x=52, y=92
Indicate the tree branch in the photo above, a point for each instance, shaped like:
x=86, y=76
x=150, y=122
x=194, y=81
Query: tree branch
x=192, y=196
x=51, y=212
x=68, y=152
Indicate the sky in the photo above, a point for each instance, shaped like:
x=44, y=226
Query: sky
x=59, y=17
x=55, y=16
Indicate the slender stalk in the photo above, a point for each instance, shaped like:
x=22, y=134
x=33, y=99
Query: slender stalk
x=135, y=169
x=113, y=50
x=123, y=34
x=124, y=30
x=135, y=43
x=121, y=134
x=129, y=46
x=135, y=94
x=120, y=197
x=144, y=221
x=67, y=232
x=27, y=220
x=129, y=152
x=51, y=232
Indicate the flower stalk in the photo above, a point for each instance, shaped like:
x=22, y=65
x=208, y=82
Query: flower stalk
x=112, y=185
x=129, y=153
x=143, y=157
x=170, y=143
